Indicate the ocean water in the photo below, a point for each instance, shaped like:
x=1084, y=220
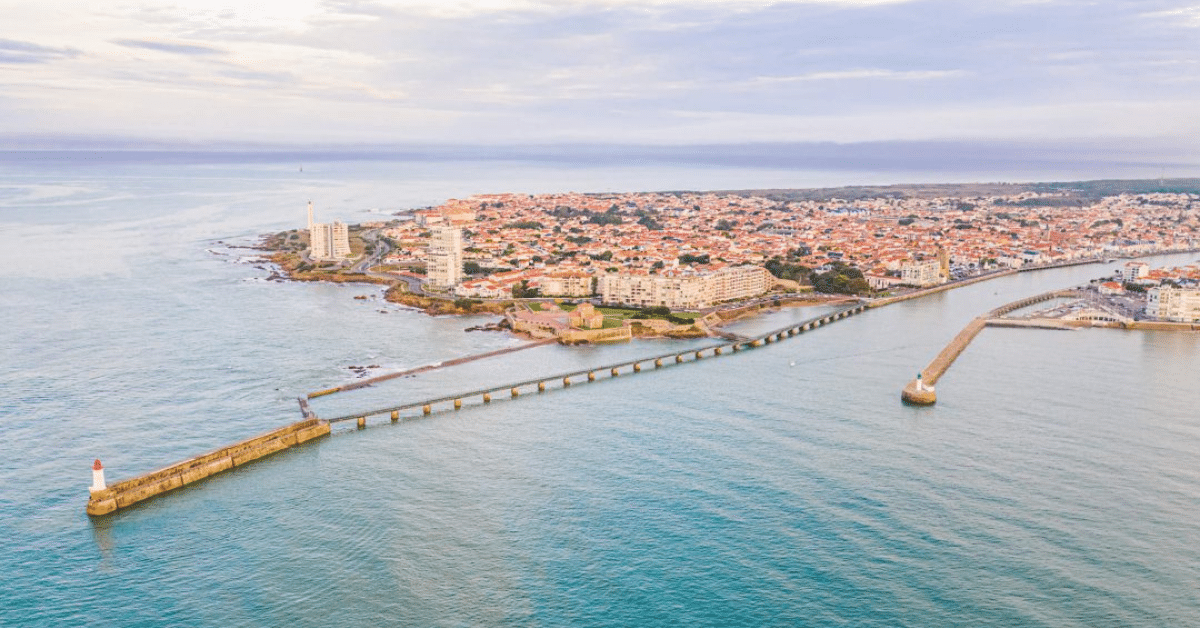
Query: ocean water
x=1054, y=484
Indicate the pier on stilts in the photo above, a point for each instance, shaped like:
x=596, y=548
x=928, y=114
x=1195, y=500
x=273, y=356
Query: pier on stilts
x=106, y=499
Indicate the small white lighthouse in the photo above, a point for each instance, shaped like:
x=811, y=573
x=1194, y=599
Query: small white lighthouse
x=97, y=477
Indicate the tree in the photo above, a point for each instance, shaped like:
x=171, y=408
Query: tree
x=521, y=290
x=841, y=278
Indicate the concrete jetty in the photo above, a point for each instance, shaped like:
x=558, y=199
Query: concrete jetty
x=423, y=369
x=107, y=499
x=920, y=390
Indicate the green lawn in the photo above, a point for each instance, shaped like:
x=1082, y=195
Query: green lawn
x=621, y=313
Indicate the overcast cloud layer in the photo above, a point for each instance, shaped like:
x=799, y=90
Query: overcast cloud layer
x=665, y=72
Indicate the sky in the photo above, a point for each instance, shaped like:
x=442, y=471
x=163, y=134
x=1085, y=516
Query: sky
x=646, y=72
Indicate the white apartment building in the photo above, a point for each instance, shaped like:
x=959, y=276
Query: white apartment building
x=444, y=268
x=678, y=291
x=921, y=274
x=327, y=242
x=564, y=284
x=1169, y=303
x=1133, y=271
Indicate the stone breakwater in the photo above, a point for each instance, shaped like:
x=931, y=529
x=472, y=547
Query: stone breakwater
x=129, y=492
x=920, y=391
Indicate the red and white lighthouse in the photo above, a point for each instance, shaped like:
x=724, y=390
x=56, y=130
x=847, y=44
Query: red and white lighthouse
x=97, y=477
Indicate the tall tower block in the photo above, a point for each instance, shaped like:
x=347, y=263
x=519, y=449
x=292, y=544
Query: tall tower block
x=445, y=258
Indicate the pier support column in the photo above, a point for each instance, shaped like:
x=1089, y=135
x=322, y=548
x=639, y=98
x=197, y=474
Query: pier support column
x=766, y=340
x=566, y=382
x=615, y=372
x=591, y=376
x=736, y=347
x=717, y=351
x=425, y=409
x=699, y=355
x=541, y=386
x=658, y=363
x=637, y=368
x=678, y=359
x=395, y=416
x=516, y=393
x=487, y=398
x=362, y=422
x=458, y=404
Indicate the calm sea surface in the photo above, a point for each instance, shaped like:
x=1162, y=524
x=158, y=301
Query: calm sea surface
x=1055, y=483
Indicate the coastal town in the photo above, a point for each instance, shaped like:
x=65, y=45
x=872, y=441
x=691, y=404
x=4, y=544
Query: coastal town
x=597, y=267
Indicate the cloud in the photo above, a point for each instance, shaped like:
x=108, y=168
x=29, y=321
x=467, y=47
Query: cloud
x=171, y=47
x=625, y=70
x=873, y=73
x=12, y=51
x=1181, y=16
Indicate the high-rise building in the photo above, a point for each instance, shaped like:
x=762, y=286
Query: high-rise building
x=327, y=242
x=444, y=269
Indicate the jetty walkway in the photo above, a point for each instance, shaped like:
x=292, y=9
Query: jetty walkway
x=920, y=391
x=429, y=367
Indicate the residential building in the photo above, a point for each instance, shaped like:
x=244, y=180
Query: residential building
x=1169, y=303
x=327, y=242
x=921, y=274
x=686, y=291
x=564, y=284
x=1133, y=271
x=444, y=269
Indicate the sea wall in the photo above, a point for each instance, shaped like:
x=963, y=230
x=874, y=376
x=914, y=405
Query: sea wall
x=614, y=334
x=126, y=493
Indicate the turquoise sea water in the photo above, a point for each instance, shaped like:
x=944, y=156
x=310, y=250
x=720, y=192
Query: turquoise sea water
x=1054, y=484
